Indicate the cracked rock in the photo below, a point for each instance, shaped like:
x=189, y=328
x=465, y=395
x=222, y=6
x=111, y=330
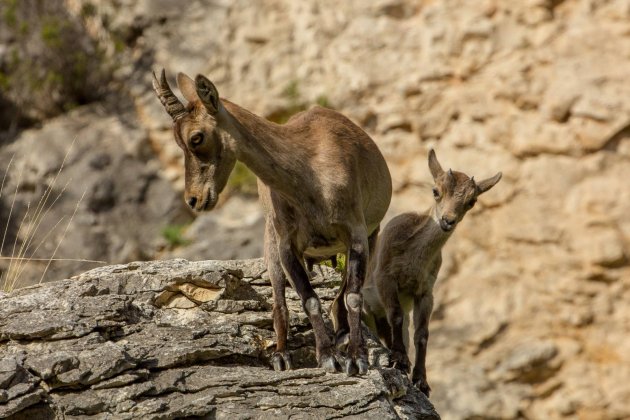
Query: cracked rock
x=110, y=344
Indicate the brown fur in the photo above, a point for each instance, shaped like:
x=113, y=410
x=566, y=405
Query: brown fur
x=324, y=186
x=405, y=266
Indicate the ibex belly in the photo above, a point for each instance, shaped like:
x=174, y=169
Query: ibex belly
x=324, y=251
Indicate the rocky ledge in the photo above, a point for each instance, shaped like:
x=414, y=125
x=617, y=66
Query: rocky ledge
x=177, y=339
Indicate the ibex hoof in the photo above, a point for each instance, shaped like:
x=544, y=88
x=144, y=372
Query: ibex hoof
x=355, y=365
x=362, y=364
x=423, y=386
x=328, y=363
x=281, y=360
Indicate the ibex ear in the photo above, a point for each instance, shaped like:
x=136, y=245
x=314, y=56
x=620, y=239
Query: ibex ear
x=207, y=93
x=186, y=86
x=434, y=165
x=486, y=184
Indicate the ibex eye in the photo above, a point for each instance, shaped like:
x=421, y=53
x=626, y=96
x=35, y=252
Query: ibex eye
x=471, y=203
x=436, y=193
x=196, y=139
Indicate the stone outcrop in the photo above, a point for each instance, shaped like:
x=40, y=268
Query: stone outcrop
x=174, y=339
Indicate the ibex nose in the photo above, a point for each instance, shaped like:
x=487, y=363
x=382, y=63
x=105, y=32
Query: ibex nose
x=447, y=223
x=192, y=201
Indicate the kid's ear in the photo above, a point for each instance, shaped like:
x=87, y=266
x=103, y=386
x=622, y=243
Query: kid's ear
x=434, y=165
x=486, y=184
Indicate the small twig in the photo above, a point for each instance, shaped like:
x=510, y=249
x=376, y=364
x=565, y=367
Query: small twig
x=23, y=266
x=30, y=235
x=11, y=266
x=41, y=205
x=5, y=175
x=6, y=227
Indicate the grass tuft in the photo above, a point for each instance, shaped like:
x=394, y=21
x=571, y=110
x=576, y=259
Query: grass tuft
x=174, y=235
x=23, y=255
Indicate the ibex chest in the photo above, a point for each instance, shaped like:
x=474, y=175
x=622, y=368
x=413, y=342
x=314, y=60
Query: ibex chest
x=419, y=274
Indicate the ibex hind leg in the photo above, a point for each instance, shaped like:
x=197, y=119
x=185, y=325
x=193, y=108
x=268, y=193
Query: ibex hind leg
x=356, y=355
x=339, y=315
x=338, y=309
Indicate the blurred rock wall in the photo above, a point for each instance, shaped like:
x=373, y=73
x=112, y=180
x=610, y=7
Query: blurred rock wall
x=531, y=317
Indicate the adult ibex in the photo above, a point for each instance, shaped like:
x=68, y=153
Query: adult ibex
x=405, y=266
x=325, y=188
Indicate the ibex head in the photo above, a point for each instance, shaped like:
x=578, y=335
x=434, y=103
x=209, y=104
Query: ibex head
x=208, y=156
x=455, y=193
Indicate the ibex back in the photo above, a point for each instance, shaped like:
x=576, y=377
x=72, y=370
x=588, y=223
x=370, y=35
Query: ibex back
x=406, y=262
x=324, y=186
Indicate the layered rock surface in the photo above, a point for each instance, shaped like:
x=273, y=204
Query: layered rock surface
x=531, y=317
x=175, y=339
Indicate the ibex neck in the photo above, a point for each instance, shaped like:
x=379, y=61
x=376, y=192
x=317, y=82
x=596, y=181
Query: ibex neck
x=265, y=148
x=433, y=235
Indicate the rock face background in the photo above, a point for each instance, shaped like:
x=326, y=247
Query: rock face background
x=531, y=317
x=174, y=339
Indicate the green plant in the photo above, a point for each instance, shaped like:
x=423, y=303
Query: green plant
x=341, y=263
x=51, y=64
x=242, y=180
x=322, y=100
x=51, y=32
x=88, y=10
x=292, y=91
x=174, y=235
x=295, y=103
x=10, y=12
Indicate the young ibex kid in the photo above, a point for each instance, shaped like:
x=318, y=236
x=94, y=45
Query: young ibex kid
x=406, y=262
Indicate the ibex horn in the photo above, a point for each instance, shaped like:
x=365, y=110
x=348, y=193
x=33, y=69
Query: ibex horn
x=172, y=105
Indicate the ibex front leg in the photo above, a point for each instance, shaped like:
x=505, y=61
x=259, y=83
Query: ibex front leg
x=356, y=269
x=281, y=359
x=421, y=314
x=310, y=302
x=395, y=319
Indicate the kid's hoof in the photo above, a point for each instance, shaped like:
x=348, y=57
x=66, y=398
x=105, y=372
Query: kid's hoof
x=400, y=361
x=329, y=363
x=281, y=361
x=423, y=387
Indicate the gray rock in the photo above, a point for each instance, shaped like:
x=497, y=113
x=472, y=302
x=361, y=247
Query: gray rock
x=94, y=162
x=117, y=342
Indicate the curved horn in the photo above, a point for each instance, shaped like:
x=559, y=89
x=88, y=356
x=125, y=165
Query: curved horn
x=172, y=105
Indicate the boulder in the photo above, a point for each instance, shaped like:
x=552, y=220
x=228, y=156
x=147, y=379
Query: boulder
x=172, y=339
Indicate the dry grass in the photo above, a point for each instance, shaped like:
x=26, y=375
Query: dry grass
x=23, y=254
